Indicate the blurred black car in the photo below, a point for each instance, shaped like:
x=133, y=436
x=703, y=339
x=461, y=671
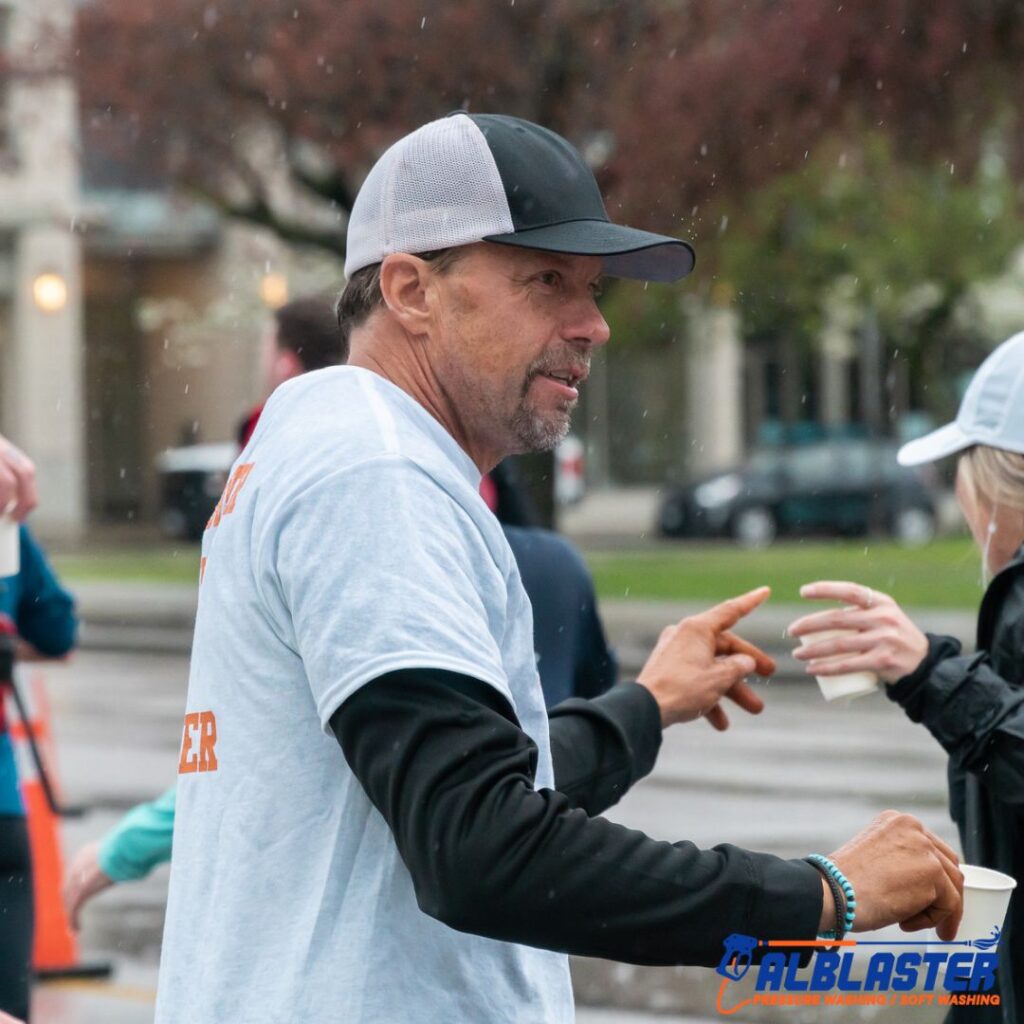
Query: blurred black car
x=832, y=487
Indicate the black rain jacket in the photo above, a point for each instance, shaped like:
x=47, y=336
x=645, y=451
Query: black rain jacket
x=974, y=706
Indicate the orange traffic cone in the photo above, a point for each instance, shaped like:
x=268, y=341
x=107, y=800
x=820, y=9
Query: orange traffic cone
x=55, y=946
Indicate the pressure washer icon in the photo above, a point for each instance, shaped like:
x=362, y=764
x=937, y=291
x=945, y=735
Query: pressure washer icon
x=738, y=948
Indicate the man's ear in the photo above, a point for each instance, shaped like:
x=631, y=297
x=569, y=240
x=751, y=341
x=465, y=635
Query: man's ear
x=405, y=287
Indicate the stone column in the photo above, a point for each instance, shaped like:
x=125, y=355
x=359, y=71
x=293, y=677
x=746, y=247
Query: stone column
x=834, y=377
x=714, y=386
x=837, y=350
x=45, y=414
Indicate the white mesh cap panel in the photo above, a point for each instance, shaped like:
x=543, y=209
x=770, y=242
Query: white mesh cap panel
x=437, y=187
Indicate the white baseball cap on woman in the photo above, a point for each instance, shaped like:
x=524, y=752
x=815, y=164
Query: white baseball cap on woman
x=991, y=413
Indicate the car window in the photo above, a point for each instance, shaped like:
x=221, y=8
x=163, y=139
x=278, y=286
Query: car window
x=861, y=464
x=890, y=469
x=812, y=467
x=765, y=462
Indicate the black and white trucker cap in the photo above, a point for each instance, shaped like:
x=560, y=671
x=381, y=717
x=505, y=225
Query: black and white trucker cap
x=489, y=177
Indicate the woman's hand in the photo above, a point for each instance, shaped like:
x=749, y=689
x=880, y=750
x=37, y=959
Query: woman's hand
x=886, y=642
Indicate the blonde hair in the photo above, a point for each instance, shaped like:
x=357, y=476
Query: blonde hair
x=994, y=477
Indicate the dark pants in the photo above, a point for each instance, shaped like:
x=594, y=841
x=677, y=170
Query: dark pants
x=16, y=916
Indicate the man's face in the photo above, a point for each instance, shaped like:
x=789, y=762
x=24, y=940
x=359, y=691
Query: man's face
x=516, y=330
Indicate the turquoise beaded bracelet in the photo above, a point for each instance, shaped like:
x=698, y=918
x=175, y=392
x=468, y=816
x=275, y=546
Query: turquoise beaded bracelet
x=824, y=865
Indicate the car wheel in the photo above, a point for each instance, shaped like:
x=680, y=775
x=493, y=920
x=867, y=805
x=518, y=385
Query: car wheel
x=914, y=527
x=754, y=527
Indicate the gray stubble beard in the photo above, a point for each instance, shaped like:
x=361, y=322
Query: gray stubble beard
x=533, y=433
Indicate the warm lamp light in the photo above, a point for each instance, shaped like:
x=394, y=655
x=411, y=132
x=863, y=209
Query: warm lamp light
x=274, y=290
x=50, y=292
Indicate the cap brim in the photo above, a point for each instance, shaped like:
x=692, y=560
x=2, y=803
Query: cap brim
x=627, y=252
x=938, y=444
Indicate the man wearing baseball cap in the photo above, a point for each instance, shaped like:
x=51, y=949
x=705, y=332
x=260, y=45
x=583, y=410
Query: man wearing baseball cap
x=377, y=820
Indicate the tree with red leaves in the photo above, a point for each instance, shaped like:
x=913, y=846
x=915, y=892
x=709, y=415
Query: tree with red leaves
x=276, y=110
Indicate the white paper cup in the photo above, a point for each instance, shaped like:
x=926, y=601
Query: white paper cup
x=10, y=547
x=986, y=899
x=847, y=686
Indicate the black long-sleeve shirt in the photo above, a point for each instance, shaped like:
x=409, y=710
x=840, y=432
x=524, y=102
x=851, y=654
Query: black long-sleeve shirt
x=442, y=758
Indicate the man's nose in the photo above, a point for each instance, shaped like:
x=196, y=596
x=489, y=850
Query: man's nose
x=589, y=326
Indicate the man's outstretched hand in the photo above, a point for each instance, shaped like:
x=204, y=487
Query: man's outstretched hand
x=699, y=660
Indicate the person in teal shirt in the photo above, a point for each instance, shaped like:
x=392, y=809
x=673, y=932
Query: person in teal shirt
x=138, y=843
x=43, y=615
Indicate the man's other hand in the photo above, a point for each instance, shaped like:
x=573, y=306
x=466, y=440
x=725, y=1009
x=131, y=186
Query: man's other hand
x=699, y=660
x=902, y=874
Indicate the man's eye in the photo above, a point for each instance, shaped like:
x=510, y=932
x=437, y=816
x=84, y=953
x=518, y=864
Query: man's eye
x=550, y=278
x=597, y=291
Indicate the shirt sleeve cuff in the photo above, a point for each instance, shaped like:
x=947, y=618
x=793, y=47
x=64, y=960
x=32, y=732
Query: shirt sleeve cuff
x=633, y=707
x=113, y=865
x=788, y=899
x=904, y=690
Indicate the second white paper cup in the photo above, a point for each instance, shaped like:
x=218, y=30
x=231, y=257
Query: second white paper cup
x=10, y=547
x=844, y=687
x=986, y=899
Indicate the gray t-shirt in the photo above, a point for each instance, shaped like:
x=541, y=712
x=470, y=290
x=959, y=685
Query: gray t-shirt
x=351, y=541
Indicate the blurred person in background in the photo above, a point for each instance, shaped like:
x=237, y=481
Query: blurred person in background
x=973, y=704
x=573, y=656
x=37, y=620
x=302, y=336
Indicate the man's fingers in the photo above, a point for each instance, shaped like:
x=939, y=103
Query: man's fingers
x=931, y=918
x=730, y=643
x=732, y=669
x=943, y=915
x=946, y=909
x=947, y=851
x=947, y=928
x=951, y=867
x=725, y=615
x=718, y=718
x=743, y=695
